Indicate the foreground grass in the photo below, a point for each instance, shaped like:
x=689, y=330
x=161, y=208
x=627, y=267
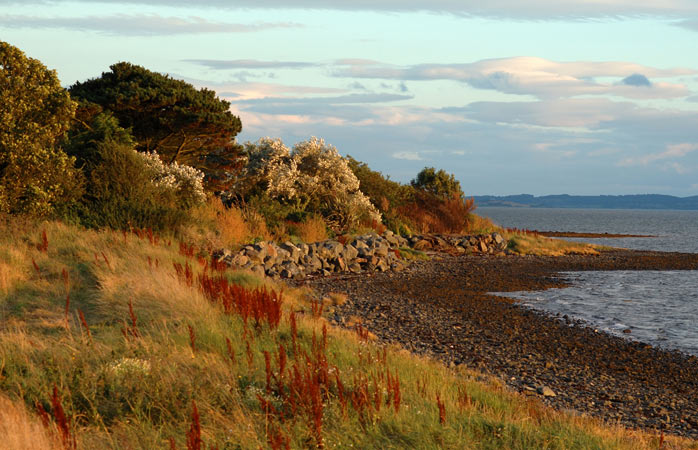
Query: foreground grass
x=160, y=362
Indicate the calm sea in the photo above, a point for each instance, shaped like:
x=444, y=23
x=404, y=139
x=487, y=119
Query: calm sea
x=659, y=307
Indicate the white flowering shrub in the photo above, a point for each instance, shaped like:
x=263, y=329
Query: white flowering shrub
x=185, y=181
x=312, y=176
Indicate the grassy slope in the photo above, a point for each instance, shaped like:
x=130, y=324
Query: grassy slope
x=138, y=392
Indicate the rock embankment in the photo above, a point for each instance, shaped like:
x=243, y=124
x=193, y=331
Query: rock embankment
x=365, y=253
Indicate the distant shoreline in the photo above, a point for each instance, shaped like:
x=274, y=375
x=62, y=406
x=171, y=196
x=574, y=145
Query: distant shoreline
x=642, y=201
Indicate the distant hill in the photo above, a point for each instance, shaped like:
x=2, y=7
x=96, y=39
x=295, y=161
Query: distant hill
x=645, y=201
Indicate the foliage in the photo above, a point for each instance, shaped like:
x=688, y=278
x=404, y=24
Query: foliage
x=91, y=126
x=36, y=176
x=182, y=124
x=429, y=213
x=186, y=182
x=127, y=189
x=384, y=193
x=311, y=178
x=438, y=183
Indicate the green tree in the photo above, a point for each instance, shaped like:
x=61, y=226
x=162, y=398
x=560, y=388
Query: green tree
x=438, y=183
x=36, y=176
x=179, y=122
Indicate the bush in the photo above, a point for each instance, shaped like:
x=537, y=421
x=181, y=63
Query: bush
x=123, y=192
x=438, y=183
x=36, y=176
x=431, y=214
x=310, y=179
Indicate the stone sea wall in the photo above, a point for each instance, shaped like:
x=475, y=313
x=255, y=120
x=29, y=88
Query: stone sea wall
x=365, y=253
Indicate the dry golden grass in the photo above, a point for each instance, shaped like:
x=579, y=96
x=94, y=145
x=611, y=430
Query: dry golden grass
x=337, y=298
x=312, y=229
x=481, y=225
x=257, y=225
x=531, y=244
x=21, y=431
x=222, y=226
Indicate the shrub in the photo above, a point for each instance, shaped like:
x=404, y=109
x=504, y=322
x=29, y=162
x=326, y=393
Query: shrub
x=36, y=176
x=438, y=183
x=431, y=214
x=311, y=178
x=122, y=193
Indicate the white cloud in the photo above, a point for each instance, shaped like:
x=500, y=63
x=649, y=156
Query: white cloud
x=671, y=152
x=526, y=75
x=410, y=156
x=517, y=9
x=218, y=64
x=137, y=24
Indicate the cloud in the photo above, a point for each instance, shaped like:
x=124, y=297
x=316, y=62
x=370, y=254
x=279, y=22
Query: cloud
x=539, y=77
x=351, y=108
x=693, y=98
x=250, y=64
x=137, y=24
x=672, y=152
x=410, y=156
x=516, y=9
x=343, y=99
x=636, y=79
x=562, y=113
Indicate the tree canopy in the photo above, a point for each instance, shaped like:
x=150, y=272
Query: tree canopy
x=35, y=113
x=439, y=183
x=179, y=122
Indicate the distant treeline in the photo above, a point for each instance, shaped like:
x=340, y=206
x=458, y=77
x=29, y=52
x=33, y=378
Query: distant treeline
x=644, y=201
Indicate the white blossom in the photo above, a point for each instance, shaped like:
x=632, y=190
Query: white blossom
x=185, y=180
x=313, y=173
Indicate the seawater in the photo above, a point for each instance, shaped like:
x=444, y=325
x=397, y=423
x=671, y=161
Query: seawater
x=658, y=307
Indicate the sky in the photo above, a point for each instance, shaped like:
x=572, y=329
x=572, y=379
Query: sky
x=584, y=97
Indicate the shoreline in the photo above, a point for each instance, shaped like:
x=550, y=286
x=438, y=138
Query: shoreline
x=443, y=308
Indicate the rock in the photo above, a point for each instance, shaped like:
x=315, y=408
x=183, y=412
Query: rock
x=422, y=245
x=350, y=252
x=359, y=244
x=255, y=255
x=382, y=250
x=392, y=240
x=355, y=267
x=498, y=239
x=545, y=391
x=483, y=246
x=240, y=260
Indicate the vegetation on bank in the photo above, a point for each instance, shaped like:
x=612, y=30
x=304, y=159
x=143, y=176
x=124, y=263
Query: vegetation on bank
x=137, y=340
x=117, y=330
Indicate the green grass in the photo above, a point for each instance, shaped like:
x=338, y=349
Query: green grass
x=126, y=391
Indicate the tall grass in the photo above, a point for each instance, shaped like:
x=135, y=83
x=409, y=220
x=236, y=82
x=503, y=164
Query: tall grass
x=211, y=357
x=21, y=430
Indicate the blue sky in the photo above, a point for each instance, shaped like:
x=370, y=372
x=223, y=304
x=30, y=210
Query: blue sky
x=542, y=97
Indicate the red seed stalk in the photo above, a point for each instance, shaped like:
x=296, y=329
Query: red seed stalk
x=231, y=352
x=192, y=338
x=43, y=247
x=62, y=421
x=84, y=323
x=442, y=409
x=194, y=434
